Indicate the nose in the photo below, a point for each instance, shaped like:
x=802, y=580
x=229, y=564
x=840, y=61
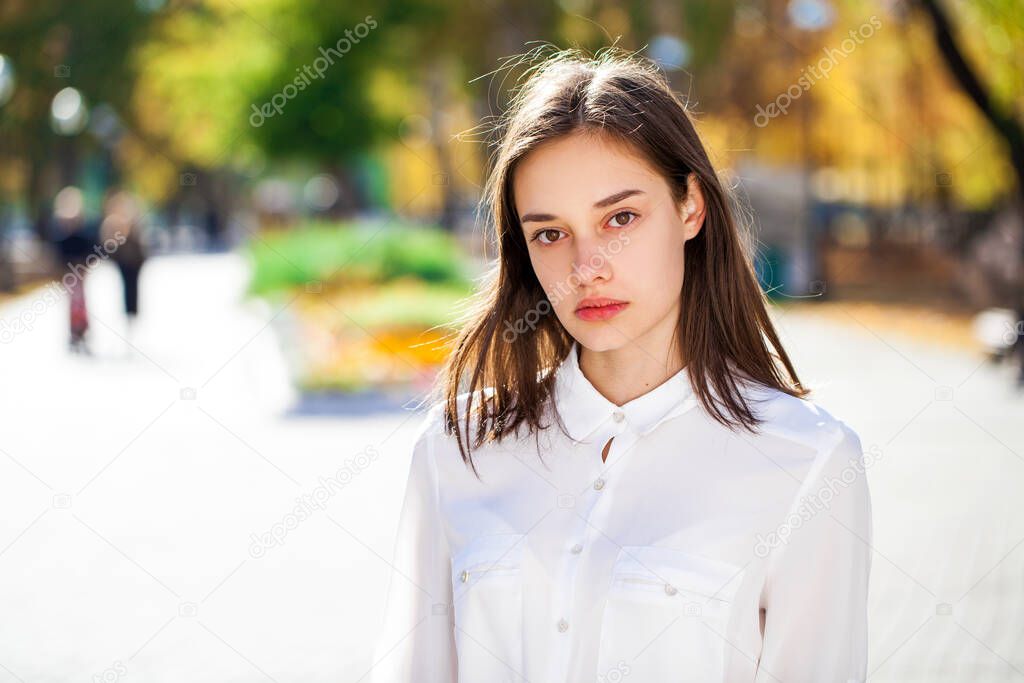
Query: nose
x=591, y=262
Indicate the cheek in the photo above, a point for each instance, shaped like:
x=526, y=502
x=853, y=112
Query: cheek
x=654, y=272
x=552, y=274
x=543, y=269
x=657, y=261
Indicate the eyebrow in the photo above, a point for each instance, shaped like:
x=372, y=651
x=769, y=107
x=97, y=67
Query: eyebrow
x=600, y=204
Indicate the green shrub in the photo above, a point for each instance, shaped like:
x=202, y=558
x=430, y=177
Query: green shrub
x=354, y=253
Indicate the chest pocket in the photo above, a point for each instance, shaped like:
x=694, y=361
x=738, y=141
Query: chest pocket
x=487, y=590
x=667, y=615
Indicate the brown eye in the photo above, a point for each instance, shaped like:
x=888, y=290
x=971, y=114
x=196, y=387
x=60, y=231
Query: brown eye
x=623, y=218
x=550, y=233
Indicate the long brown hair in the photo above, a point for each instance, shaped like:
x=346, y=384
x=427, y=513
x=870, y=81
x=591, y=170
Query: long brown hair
x=724, y=328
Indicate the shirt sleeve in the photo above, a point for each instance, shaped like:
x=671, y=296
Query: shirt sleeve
x=816, y=586
x=416, y=643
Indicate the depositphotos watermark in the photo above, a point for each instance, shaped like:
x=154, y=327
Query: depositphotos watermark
x=615, y=674
x=1012, y=332
x=55, y=291
x=112, y=673
x=814, y=503
x=812, y=73
x=528, y=321
x=310, y=72
x=307, y=504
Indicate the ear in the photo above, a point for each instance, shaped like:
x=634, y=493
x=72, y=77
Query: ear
x=693, y=207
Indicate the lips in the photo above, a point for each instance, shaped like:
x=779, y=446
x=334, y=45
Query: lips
x=598, y=302
x=599, y=308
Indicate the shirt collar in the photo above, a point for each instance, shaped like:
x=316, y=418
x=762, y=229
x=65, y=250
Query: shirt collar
x=583, y=408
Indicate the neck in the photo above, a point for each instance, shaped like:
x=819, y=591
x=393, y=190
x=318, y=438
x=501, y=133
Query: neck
x=626, y=372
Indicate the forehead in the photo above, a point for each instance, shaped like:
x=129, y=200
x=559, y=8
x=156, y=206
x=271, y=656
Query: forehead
x=579, y=169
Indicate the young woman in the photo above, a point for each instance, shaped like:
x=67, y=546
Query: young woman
x=693, y=517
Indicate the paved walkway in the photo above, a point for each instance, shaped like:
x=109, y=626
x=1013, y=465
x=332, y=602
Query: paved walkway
x=133, y=482
x=133, y=485
x=947, y=591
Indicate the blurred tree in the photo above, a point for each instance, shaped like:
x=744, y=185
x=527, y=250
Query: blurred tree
x=53, y=45
x=213, y=92
x=294, y=81
x=1002, y=16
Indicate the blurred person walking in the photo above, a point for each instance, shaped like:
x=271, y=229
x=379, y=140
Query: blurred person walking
x=123, y=225
x=74, y=242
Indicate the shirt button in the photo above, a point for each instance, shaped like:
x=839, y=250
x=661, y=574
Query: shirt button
x=577, y=549
x=670, y=589
x=464, y=576
x=563, y=625
x=599, y=484
x=618, y=416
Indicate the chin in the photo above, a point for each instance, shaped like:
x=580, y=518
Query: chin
x=601, y=338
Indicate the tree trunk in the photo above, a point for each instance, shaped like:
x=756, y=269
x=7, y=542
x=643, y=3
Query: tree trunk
x=1001, y=118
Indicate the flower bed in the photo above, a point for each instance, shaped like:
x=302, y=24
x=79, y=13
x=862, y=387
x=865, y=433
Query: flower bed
x=375, y=301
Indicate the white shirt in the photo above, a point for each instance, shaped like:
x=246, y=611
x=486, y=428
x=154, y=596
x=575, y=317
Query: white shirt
x=653, y=566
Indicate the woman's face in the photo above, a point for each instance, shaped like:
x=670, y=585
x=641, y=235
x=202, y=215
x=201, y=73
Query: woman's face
x=602, y=227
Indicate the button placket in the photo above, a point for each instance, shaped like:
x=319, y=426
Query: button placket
x=591, y=521
x=563, y=607
x=562, y=610
x=619, y=427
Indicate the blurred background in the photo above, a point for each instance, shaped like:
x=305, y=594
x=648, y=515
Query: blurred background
x=234, y=235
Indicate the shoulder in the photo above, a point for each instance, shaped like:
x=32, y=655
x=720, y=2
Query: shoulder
x=803, y=422
x=825, y=452
x=432, y=424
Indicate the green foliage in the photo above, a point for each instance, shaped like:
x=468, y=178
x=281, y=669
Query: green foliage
x=276, y=79
x=185, y=76
x=343, y=254
x=54, y=44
